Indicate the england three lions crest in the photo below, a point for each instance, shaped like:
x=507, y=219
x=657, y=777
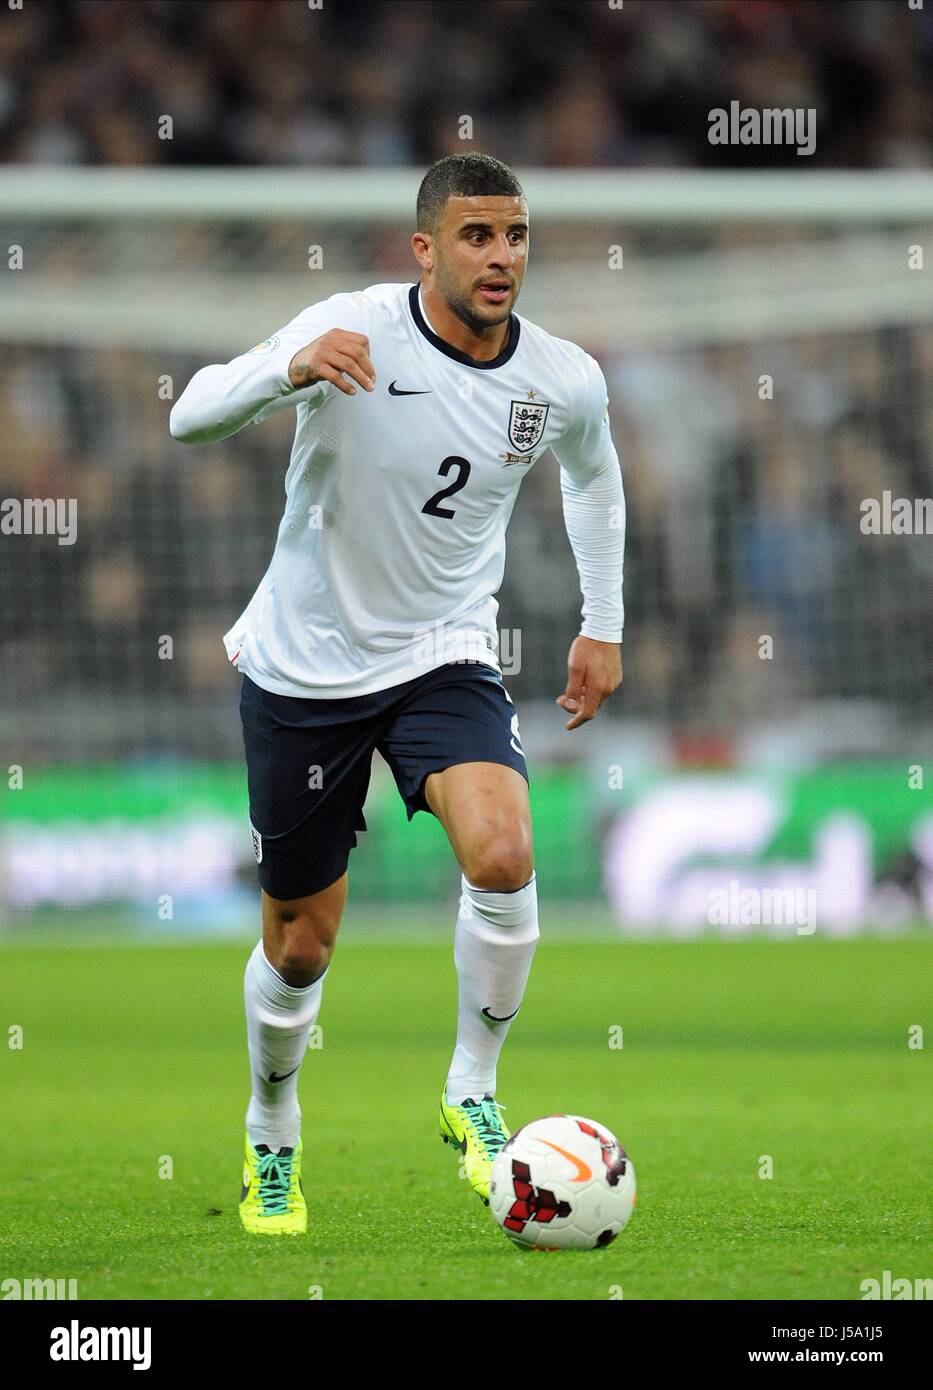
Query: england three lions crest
x=526, y=424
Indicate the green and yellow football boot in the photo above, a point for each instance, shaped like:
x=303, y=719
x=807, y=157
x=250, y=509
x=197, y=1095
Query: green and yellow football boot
x=272, y=1201
x=476, y=1128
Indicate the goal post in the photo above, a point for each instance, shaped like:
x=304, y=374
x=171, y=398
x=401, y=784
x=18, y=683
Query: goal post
x=198, y=259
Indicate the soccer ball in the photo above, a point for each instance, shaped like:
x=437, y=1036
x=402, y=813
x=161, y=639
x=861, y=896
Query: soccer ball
x=562, y=1183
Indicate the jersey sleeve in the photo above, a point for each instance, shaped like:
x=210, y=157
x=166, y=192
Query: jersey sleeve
x=220, y=399
x=594, y=508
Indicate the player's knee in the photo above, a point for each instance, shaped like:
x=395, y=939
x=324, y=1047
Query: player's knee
x=303, y=941
x=301, y=957
x=502, y=865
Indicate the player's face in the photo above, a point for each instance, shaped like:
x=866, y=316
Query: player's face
x=480, y=252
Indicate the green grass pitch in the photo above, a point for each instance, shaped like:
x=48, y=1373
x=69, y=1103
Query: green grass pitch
x=797, y=1050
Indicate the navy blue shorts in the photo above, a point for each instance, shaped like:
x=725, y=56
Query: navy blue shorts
x=308, y=762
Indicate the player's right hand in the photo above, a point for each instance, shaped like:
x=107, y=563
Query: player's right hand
x=336, y=356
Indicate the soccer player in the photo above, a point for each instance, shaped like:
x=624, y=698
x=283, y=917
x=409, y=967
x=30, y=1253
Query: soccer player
x=420, y=408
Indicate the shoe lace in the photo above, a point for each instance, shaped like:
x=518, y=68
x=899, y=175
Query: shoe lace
x=275, y=1181
x=486, y=1120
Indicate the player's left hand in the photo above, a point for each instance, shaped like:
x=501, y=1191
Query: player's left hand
x=594, y=670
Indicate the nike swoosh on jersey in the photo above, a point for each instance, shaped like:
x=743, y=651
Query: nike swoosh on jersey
x=275, y=1077
x=500, y=1020
x=394, y=391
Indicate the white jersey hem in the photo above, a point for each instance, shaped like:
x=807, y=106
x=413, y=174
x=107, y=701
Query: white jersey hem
x=377, y=681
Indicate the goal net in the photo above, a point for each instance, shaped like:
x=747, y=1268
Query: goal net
x=768, y=345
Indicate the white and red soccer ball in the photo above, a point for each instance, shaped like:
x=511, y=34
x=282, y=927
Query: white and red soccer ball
x=562, y=1183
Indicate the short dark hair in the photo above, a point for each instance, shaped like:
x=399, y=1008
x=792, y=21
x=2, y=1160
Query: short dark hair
x=463, y=176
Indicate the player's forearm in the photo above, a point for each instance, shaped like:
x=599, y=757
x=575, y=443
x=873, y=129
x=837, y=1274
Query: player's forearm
x=594, y=515
x=222, y=398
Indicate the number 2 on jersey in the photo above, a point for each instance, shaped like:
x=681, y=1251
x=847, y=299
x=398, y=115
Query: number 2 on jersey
x=430, y=507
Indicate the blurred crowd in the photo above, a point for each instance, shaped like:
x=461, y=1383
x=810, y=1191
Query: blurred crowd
x=745, y=523
x=745, y=514
x=385, y=82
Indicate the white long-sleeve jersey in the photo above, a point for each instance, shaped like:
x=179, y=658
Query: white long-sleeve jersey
x=392, y=544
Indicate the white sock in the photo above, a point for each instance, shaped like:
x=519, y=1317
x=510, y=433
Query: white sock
x=494, y=944
x=279, y=1019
